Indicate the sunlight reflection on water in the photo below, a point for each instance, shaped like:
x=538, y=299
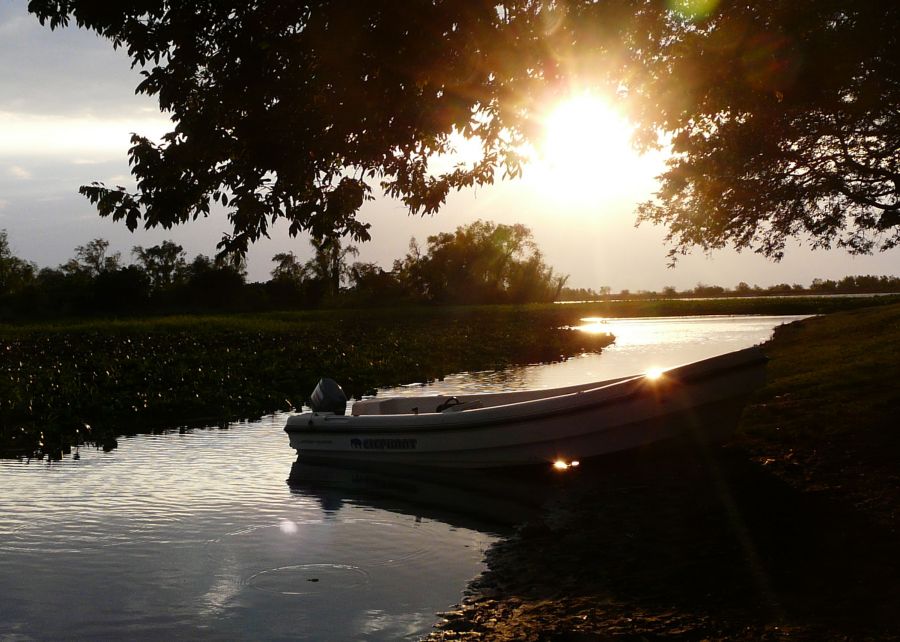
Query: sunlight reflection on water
x=641, y=344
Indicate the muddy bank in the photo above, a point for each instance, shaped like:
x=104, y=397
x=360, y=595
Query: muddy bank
x=686, y=542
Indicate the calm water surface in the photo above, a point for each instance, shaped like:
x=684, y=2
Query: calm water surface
x=198, y=535
x=641, y=344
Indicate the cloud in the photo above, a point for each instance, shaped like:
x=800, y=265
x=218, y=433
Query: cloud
x=86, y=139
x=19, y=172
x=71, y=95
x=63, y=72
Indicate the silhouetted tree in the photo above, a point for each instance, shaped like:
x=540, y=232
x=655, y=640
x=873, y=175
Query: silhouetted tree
x=583, y=294
x=59, y=293
x=824, y=286
x=122, y=291
x=91, y=259
x=329, y=263
x=293, y=109
x=782, y=114
x=783, y=122
x=532, y=280
x=369, y=283
x=287, y=288
x=164, y=264
x=701, y=289
x=214, y=284
x=15, y=273
x=482, y=262
x=288, y=268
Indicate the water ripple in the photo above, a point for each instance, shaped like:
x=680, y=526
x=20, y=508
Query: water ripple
x=197, y=534
x=306, y=579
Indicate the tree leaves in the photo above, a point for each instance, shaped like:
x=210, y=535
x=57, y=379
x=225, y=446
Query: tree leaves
x=782, y=115
x=797, y=136
x=483, y=262
x=281, y=109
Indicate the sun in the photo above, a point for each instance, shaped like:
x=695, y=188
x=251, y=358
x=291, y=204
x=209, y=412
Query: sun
x=586, y=150
x=581, y=131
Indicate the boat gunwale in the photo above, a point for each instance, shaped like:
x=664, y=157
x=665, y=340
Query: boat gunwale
x=489, y=397
x=475, y=419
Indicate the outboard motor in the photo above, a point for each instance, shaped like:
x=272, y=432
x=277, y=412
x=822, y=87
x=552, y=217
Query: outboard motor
x=328, y=397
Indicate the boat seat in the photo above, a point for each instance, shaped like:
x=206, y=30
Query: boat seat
x=380, y=407
x=467, y=405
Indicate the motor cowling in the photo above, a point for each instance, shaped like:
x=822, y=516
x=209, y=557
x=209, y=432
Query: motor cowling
x=328, y=397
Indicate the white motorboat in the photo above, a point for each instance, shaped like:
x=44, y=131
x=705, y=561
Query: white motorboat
x=560, y=426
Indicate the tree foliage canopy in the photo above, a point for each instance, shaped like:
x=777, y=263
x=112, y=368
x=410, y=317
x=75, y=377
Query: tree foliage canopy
x=92, y=259
x=483, y=262
x=782, y=115
x=785, y=122
x=164, y=264
x=14, y=272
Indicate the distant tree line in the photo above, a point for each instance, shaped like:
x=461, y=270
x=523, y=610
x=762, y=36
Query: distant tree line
x=483, y=262
x=867, y=284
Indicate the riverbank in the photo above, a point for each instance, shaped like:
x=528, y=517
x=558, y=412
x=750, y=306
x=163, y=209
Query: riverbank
x=89, y=382
x=789, y=532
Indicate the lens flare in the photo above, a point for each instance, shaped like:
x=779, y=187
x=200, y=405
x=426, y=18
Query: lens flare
x=654, y=373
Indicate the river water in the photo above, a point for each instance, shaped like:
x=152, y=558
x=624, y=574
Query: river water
x=641, y=344
x=198, y=535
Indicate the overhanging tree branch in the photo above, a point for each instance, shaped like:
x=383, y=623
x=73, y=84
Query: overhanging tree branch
x=300, y=110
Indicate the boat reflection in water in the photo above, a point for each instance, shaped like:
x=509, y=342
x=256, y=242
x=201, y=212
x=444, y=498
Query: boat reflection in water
x=486, y=501
x=497, y=499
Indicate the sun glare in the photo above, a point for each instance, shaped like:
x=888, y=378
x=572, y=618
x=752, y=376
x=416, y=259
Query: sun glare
x=586, y=149
x=654, y=373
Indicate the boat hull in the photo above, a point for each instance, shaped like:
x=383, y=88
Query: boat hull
x=704, y=398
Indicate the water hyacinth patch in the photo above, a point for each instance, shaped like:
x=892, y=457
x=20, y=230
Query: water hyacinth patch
x=89, y=383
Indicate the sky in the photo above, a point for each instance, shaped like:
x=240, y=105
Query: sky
x=68, y=107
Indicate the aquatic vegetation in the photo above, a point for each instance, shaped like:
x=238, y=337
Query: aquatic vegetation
x=89, y=383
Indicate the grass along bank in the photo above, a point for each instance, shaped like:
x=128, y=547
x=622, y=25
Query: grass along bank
x=828, y=419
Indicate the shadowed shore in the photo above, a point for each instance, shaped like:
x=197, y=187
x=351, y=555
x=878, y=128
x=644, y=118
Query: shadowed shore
x=788, y=532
